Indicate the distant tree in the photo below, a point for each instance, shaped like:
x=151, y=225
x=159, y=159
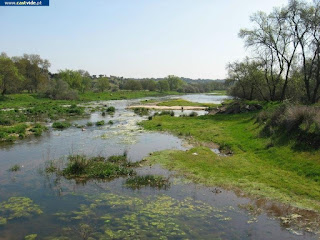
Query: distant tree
x=248, y=80
x=148, y=84
x=86, y=82
x=174, y=82
x=73, y=78
x=103, y=84
x=60, y=90
x=34, y=70
x=132, y=85
x=10, y=78
x=163, y=85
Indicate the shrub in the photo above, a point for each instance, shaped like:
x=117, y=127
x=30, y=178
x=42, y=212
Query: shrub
x=301, y=123
x=111, y=109
x=61, y=125
x=100, y=123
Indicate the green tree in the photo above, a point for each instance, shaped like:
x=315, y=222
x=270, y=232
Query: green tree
x=34, y=70
x=10, y=79
x=174, y=82
x=73, y=78
x=103, y=84
x=163, y=85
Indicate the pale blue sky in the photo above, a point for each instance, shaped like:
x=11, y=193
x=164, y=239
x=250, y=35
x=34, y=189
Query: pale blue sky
x=133, y=38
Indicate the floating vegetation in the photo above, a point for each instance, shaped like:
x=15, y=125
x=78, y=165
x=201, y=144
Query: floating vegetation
x=115, y=216
x=61, y=125
x=141, y=111
x=89, y=124
x=18, y=207
x=110, y=122
x=3, y=221
x=83, y=168
x=138, y=182
x=126, y=133
x=31, y=237
x=111, y=110
x=100, y=123
x=15, y=168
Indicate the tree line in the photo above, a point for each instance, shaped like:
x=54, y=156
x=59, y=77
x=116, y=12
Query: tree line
x=285, y=59
x=30, y=73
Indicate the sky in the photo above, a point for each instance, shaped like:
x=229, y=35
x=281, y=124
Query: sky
x=133, y=38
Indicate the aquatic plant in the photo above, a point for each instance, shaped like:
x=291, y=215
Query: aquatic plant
x=3, y=221
x=126, y=217
x=110, y=122
x=138, y=182
x=15, y=168
x=31, y=237
x=18, y=207
x=89, y=124
x=111, y=109
x=82, y=168
x=100, y=123
x=37, y=129
x=141, y=111
x=61, y=125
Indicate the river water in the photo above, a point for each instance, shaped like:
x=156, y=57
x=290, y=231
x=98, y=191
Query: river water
x=51, y=207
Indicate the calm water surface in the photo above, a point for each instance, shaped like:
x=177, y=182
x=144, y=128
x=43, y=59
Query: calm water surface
x=56, y=208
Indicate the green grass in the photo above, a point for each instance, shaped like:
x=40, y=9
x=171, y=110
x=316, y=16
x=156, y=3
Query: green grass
x=278, y=173
x=182, y=103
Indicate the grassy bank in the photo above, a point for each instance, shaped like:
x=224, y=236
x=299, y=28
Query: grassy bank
x=30, y=100
x=256, y=167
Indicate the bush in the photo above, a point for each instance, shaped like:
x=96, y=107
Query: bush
x=301, y=123
x=100, y=123
x=61, y=125
x=60, y=90
x=111, y=109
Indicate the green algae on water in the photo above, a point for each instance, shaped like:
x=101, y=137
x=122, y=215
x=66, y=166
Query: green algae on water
x=113, y=216
x=31, y=237
x=18, y=207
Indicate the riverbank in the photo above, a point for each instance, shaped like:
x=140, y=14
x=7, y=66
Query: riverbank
x=256, y=167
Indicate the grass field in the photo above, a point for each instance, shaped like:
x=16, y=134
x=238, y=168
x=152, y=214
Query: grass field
x=256, y=167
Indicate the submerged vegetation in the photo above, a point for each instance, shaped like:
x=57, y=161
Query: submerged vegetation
x=113, y=216
x=15, y=168
x=18, y=207
x=137, y=182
